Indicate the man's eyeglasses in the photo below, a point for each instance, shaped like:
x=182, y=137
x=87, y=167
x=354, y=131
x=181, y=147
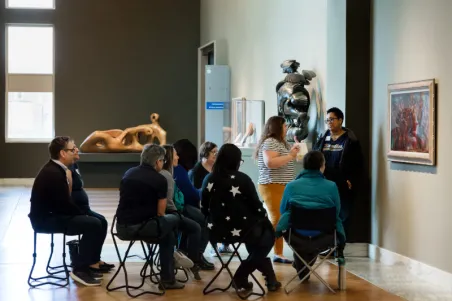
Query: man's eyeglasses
x=328, y=120
x=72, y=150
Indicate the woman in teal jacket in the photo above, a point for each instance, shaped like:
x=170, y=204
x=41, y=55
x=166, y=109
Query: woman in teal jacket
x=310, y=190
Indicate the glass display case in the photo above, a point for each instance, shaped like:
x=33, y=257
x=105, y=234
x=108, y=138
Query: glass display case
x=247, y=121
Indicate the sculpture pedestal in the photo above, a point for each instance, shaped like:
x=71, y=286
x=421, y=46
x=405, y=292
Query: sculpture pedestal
x=105, y=170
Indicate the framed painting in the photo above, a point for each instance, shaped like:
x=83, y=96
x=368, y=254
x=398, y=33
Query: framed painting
x=412, y=122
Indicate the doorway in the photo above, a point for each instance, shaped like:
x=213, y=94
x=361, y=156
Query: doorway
x=206, y=56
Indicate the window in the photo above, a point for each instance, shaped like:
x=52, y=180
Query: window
x=29, y=83
x=36, y=4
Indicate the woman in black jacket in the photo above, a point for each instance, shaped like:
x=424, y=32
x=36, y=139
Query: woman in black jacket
x=235, y=213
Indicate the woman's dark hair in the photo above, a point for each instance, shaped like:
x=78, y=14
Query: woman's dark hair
x=274, y=128
x=205, y=149
x=187, y=152
x=313, y=160
x=168, y=159
x=228, y=159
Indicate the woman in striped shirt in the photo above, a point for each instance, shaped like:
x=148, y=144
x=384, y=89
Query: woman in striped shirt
x=276, y=169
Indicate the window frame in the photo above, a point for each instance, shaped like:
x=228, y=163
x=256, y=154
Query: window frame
x=7, y=74
x=32, y=8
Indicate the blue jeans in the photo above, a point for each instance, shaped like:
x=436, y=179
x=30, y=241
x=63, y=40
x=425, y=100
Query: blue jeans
x=191, y=234
x=168, y=225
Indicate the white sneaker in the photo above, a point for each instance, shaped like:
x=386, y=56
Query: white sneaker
x=180, y=260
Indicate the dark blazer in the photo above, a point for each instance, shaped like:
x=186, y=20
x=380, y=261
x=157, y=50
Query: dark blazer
x=50, y=194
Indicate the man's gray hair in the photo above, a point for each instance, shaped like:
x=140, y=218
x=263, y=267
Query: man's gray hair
x=152, y=153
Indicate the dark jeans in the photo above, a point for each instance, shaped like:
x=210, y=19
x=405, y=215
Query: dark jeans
x=80, y=198
x=195, y=214
x=345, y=214
x=104, y=224
x=91, y=229
x=258, y=243
x=191, y=233
x=167, y=242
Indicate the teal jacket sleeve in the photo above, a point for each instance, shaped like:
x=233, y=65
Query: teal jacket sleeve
x=283, y=223
x=339, y=226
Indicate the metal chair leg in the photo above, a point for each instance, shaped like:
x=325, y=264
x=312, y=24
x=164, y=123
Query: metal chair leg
x=311, y=271
x=225, y=265
x=123, y=266
x=51, y=275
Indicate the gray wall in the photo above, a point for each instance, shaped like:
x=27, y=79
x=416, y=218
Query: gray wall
x=411, y=204
x=116, y=62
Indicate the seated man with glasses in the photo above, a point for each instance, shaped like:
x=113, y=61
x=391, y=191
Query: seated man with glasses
x=141, y=212
x=52, y=210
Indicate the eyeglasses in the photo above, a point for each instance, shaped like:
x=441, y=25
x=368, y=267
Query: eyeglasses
x=72, y=150
x=328, y=120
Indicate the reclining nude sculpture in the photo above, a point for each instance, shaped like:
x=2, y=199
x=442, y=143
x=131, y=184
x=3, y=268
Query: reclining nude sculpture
x=123, y=141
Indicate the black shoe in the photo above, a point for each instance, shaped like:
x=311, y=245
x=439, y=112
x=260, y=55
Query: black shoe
x=205, y=265
x=100, y=270
x=107, y=266
x=195, y=270
x=171, y=285
x=97, y=276
x=325, y=253
x=242, y=284
x=85, y=278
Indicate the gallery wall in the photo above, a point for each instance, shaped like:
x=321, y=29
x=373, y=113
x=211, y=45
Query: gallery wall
x=115, y=63
x=412, y=204
x=255, y=36
x=329, y=36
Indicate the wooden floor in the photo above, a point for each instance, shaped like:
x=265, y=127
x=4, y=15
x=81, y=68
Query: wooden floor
x=16, y=247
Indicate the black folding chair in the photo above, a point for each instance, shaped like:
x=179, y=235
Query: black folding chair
x=52, y=271
x=225, y=265
x=151, y=244
x=322, y=220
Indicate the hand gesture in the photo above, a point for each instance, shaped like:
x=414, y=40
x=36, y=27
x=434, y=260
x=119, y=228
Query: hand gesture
x=294, y=150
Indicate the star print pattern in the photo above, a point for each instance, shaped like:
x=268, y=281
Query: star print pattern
x=230, y=216
x=236, y=232
x=235, y=190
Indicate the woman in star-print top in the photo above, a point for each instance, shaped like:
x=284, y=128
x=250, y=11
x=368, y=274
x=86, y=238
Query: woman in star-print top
x=235, y=213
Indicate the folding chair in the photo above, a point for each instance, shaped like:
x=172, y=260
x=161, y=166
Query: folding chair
x=152, y=244
x=322, y=220
x=225, y=265
x=49, y=269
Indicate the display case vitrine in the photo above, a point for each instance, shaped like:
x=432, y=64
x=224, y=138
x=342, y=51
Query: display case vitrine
x=247, y=121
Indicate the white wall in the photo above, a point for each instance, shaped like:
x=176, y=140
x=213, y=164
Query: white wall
x=255, y=36
x=412, y=205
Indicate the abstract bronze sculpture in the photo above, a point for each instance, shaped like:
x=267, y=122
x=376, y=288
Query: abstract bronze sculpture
x=124, y=141
x=294, y=100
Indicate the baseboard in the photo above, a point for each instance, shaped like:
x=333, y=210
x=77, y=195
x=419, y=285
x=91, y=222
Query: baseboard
x=17, y=181
x=356, y=250
x=423, y=271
